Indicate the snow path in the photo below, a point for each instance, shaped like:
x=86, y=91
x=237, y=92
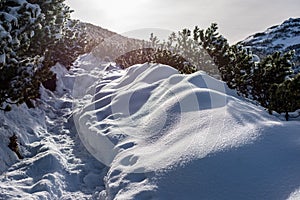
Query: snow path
x=167, y=136
x=56, y=164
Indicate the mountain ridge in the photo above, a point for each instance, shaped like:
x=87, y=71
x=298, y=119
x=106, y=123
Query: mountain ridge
x=283, y=38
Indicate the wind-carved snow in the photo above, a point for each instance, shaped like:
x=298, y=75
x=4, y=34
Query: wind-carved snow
x=149, y=102
x=161, y=134
x=171, y=136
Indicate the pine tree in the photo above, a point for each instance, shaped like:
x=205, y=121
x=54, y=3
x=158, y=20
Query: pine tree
x=218, y=49
x=266, y=82
x=274, y=69
x=183, y=44
x=285, y=97
x=18, y=19
x=73, y=43
x=30, y=32
x=295, y=93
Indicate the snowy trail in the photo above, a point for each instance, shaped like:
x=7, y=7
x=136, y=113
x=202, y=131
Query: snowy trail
x=151, y=127
x=56, y=164
x=60, y=167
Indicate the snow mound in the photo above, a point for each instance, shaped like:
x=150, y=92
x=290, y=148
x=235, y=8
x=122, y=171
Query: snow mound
x=171, y=136
x=162, y=135
x=152, y=102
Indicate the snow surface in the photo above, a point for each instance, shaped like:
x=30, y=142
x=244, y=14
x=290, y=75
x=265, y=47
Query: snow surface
x=171, y=136
x=150, y=133
x=56, y=164
x=286, y=42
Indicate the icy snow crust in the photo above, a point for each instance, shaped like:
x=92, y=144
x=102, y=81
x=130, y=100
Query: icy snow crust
x=155, y=134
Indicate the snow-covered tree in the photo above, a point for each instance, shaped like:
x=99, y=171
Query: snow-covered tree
x=266, y=81
x=18, y=19
x=274, y=69
x=218, y=49
x=73, y=43
x=30, y=34
x=285, y=97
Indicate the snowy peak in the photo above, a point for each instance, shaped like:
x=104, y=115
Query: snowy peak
x=283, y=37
x=278, y=37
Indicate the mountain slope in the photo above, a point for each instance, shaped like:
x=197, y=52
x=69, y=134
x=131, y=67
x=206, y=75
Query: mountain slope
x=283, y=37
x=110, y=44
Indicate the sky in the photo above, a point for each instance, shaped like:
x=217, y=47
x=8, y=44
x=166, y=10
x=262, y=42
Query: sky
x=236, y=19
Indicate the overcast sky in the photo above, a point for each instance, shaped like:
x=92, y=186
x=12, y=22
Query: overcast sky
x=237, y=19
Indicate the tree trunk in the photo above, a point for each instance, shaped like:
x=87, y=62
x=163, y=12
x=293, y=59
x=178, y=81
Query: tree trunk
x=287, y=116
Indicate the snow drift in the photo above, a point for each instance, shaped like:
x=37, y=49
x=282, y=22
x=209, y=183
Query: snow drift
x=162, y=135
x=171, y=136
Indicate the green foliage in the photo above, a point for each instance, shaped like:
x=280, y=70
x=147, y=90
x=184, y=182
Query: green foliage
x=161, y=56
x=34, y=35
x=184, y=45
x=113, y=48
x=266, y=82
x=285, y=97
x=6, y=109
x=180, y=51
x=233, y=62
x=274, y=69
x=137, y=56
x=216, y=46
x=74, y=42
x=18, y=19
x=177, y=61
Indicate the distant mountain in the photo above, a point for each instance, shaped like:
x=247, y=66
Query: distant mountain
x=111, y=45
x=283, y=37
x=98, y=33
